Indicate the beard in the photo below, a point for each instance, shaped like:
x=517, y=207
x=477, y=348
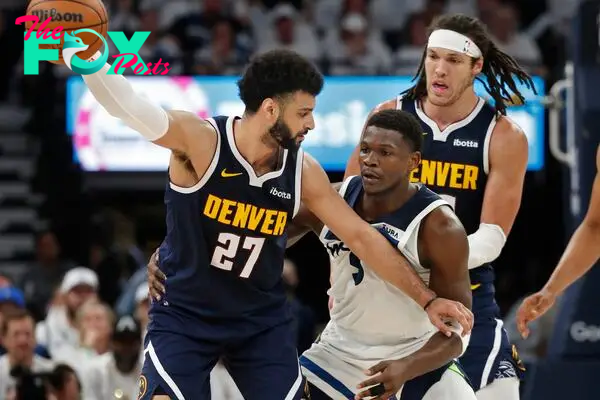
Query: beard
x=281, y=133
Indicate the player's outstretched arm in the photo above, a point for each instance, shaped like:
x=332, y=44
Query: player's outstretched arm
x=352, y=167
x=444, y=249
x=581, y=254
x=372, y=248
x=174, y=130
x=305, y=221
x=508, y=152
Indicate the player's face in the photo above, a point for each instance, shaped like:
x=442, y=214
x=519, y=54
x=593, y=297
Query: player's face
x=449, y=74
x=386, y=160
x=294, y=121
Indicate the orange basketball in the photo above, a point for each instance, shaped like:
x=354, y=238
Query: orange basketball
x=71, y=15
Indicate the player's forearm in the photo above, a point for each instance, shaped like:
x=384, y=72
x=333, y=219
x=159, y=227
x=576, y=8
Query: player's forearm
x=438, y=351
x=119, y=99
x=387, y=262
x=580, y=255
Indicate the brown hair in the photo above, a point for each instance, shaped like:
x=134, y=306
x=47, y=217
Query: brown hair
x=15, y=315
x=499, y=68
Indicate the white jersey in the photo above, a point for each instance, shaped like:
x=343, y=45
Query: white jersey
x=370, y=318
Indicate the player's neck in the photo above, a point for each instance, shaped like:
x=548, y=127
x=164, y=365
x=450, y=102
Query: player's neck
x=248, y=134
x=446, y=115
x=374, y=206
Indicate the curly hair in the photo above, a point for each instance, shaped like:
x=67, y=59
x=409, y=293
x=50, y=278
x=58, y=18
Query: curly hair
x=277, y=74
x=499, y=69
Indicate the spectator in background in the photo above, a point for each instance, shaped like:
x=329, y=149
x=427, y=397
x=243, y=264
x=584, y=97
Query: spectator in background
x=158, y=47
x=289, y=31
x=18, y=337
x=222, y=56
x=142, y=301
x=358, y=53
x=123, y=17
x=504, y=26
x=486, y=10
x=115, y=374
x=60, y=327
x=42, y=279
x=94, y=326
x=305, y=324
x=64, y=384
x=408, y=57
x=193, y=31
x=11, y=301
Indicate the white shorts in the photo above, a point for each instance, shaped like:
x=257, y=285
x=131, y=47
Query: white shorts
x=338, y=378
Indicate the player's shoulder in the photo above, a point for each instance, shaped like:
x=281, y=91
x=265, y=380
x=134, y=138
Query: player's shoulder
x=442, y=223
x=192, y=123
x=386, y=105
x=507, y=129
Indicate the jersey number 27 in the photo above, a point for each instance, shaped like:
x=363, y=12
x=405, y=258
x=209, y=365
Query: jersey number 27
x=228, y=247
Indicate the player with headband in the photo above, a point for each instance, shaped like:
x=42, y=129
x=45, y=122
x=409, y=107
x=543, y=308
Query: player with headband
x=476, y=158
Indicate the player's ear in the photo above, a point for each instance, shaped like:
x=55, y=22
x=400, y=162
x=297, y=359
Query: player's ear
x=478, y=66
x=414, y=160
x=271, y=108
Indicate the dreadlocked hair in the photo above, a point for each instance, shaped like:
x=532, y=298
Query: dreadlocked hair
x=499, y=68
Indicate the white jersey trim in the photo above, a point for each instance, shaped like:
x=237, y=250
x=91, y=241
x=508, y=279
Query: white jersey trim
x=298, y=182
x=417, y=220
x=486, y=145
x=209, y=171
x=253, y=180
x=162, y=372
x=399, y=102
x=443, y=135
x=342, y=192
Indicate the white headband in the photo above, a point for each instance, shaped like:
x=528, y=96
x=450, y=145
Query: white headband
x=451, y=40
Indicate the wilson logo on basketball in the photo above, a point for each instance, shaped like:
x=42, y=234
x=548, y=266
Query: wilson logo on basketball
x=56, y=16
x=73, y=32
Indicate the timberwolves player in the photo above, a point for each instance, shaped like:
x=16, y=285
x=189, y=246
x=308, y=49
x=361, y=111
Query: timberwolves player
x=234, y=183
x=371, y=321
x=476, y=158
x=581, y=254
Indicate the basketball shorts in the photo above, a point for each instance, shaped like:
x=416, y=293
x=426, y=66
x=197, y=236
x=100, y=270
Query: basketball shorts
x=490, y=355
x=336, y=378
x=263, y=366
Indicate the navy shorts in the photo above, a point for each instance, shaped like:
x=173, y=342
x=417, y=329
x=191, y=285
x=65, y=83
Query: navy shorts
x=490, y=355
x=264, y=366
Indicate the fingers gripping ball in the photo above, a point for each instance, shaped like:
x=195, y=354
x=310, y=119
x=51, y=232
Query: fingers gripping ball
x=71, y=15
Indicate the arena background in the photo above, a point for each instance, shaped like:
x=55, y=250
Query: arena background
x=69, y=169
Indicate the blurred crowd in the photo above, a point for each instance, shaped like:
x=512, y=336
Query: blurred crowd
x=344, y=37
x=82, y=327
x=58, y=316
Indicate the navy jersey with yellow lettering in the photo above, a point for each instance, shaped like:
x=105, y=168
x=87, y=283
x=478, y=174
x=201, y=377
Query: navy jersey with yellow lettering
x=226, y=237
x=455, y=164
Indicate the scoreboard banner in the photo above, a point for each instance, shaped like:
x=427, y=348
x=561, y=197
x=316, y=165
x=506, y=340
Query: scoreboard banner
x=103, y=143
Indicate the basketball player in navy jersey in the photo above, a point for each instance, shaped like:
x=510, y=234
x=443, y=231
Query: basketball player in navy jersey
x=475, y=158
x=423, y=227
x=582, y=252
x=234, y=183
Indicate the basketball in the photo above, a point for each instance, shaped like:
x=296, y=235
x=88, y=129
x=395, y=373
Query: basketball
x=71, y=15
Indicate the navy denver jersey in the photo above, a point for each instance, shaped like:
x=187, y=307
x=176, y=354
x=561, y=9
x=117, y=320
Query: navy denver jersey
x=455, y=164
x=226, y=237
